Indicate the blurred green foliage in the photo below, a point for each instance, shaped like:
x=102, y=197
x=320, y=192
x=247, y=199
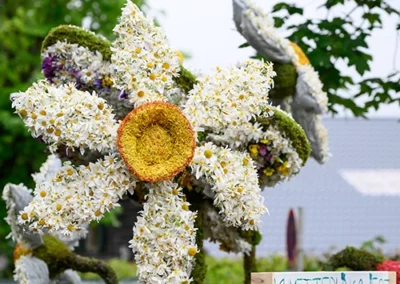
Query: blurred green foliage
x=345, y=36
x=219, y=270
x=23, y=26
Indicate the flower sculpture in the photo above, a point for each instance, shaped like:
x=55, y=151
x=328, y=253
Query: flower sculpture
x=298, y=87
x=45, y=258
x=127, y=117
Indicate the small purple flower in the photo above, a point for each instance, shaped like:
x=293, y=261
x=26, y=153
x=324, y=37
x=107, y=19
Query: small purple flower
x=268, y=157
x=123, y=95
x=47, y=67
x=263, y=150
x=98, y=83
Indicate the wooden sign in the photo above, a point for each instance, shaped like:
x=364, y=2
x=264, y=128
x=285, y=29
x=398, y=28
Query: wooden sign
x=340, y=277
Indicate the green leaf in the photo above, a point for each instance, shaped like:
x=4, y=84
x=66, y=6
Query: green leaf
x=243, y=45
x=290, y=8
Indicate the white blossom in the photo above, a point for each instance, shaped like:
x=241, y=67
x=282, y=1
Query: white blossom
x=78, y=195
x=164, y=236
x=234, y=180
x=66, y=116
x=144, y=63
x=225, y=102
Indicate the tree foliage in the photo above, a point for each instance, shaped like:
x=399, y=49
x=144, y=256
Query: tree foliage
x=23, y=26
x=344, y=38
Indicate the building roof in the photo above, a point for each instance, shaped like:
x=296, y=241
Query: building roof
x=353, y=198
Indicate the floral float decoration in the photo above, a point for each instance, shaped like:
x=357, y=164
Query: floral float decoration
x=298, y=88
x=127, y=118
x=45, y=258
x=355, y=259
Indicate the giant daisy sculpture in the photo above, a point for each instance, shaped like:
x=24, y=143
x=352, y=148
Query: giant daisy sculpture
x=127, y=119
x=298, y=87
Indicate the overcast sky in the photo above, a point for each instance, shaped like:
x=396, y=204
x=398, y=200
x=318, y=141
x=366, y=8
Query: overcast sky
x=205, y=29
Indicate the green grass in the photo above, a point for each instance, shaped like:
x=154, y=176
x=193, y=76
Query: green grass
x=219, y=270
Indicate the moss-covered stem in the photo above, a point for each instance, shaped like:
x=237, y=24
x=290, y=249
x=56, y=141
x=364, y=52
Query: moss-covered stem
x=249, y=264
x=200, y=267
x=59, y=258
x=85, y=264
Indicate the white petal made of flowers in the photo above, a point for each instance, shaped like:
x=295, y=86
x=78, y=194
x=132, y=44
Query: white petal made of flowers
x=309, y=93
x=225, y=102
x=48, y=169
x=144, y=63
x=31, y=270
x=259, y=31
x=78, y=195
x=241, y=6
x=67, y=277
x=233, y=177
x=217, y=231
x=164, y=236
x=316, y=133
x=16, y=198
x=66, y=116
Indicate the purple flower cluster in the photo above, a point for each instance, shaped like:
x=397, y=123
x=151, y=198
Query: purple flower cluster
x=60, y=71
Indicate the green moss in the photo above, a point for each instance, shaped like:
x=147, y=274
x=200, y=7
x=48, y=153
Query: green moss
x=354, y=259
x=200, y=267
x=293, y=131
x=186, y=80
x=285, y=81
x=79, y=36
x=54, y=253
x=252, y=237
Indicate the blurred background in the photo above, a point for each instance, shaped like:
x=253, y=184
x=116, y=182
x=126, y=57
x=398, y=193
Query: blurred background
x=353, y=44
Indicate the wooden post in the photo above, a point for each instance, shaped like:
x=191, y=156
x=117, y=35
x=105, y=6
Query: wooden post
x=300, y=240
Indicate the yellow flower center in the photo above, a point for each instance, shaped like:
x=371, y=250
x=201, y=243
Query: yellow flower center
x=23, y=113
x=192, y=251
x=156, y=141
x=24, y=216
x=208, y=154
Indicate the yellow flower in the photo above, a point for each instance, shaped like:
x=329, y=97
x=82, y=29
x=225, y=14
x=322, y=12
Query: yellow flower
x=303, y=59
x=283, y=169
x=264, y=141
x=254, y=150
x=269, y=172
x=156, y=141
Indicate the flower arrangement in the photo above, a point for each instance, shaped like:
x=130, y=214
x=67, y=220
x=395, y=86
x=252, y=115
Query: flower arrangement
x=303, y=97
x=127, y=117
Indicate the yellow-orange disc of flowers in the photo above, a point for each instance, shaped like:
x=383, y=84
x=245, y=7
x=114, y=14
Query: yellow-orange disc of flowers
x=156, y=141
x=303, y=59
x=20, y=250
